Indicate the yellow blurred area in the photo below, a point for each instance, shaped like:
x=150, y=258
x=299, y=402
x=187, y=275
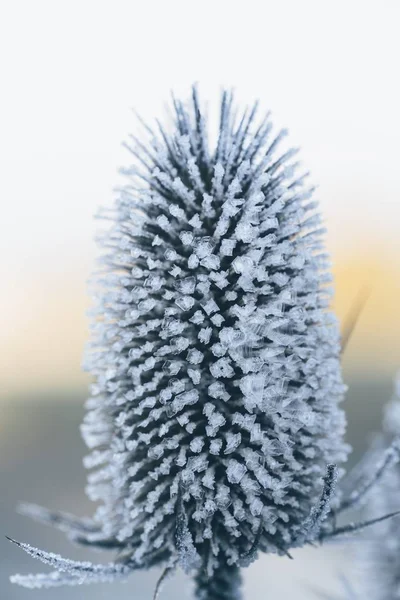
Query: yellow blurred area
x=44, y=330
x=374, y=347
x=65, y=112
x=46, y=327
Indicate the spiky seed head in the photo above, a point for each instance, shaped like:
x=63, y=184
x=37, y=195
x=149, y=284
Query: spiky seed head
x=215, y=408
x=216, y=360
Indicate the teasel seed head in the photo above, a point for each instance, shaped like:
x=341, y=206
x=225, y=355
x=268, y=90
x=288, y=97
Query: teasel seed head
x=214, y=424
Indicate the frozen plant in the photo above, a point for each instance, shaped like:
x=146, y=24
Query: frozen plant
x=379, y=552
x=214, y=423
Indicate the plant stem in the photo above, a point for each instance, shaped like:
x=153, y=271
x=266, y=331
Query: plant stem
x=224, y=584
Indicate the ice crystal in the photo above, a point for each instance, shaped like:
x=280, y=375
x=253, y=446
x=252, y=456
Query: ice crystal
x=214, y=423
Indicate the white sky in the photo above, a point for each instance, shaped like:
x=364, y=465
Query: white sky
x=71, y=70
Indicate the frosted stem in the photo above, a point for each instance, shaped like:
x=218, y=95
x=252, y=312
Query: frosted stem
x=224, y=584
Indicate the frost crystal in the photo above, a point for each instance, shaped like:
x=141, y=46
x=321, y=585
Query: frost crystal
x=215, y=409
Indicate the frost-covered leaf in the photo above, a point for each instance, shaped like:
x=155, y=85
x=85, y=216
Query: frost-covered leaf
x=73, y=566
x=390, y=457
x=57, y=579
x=351, y=528
x=378, y=553
x=311, y=527
x=47, y=580
x=63, y=521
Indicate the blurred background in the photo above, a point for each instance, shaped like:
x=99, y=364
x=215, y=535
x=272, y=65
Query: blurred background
x=70, y=72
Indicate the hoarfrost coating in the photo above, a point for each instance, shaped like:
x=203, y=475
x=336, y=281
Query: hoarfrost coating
x=216, y=361
x=214, y=416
